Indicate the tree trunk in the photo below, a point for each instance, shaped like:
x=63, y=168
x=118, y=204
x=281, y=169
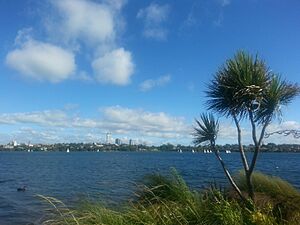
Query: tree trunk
x=257, y=147
x=228, y=175
x=249, y=185
x=241, y=148
x=256, y=143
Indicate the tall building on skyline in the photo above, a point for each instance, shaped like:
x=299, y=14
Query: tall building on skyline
x=108, y=138
x=118, y=141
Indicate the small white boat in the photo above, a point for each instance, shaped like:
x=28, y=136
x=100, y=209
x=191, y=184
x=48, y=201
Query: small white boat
x=68, y=150
x=180, y=151
x=207, y=151
x=227, y=151
x=97, y=150
x=28, y=150
x=193, y=151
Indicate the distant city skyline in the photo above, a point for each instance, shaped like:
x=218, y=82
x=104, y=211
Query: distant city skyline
x=74, y=70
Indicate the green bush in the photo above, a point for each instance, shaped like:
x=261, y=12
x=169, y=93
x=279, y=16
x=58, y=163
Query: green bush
x=273, y=192
x=169, y=201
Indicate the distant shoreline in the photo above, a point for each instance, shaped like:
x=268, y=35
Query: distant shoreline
x=100, y=147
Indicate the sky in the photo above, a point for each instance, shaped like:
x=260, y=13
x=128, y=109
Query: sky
x=73, y=70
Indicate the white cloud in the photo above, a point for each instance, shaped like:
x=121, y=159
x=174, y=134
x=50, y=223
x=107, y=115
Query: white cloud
x=56, y=118
x=149, y=84
x=50, y=126
x=96, y=25
x=115, y=67
x=154, y=16
x=142, y=119
x=123, y=122
x=86, y=20
x=42, y=61
x=86, y=28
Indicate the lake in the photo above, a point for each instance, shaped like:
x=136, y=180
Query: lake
x=110, y=176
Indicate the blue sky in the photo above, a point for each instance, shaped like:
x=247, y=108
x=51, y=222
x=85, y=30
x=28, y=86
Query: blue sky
x=73, y=70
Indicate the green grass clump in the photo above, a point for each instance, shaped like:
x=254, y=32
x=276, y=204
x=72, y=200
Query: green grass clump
x=156, y=188
x=167, y=200
x=271, y=185
x=273, y=192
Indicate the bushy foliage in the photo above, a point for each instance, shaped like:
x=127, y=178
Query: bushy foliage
x=169, y=201
x=275, y=193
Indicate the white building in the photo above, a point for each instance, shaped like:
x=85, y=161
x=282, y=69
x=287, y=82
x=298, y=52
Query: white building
x=108, y=138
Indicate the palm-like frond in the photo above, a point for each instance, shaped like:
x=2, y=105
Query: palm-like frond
x=277, y=94
x=238, y=84
x=207, y=129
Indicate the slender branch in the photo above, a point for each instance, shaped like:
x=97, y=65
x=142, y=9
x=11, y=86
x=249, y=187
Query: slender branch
x=251, y=117
x=227, y=173
x=258, y=146
x=241, y=148
x=263, y=131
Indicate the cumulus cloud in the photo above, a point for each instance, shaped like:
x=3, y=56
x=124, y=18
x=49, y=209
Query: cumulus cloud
x=42, y=61
x=151, y=83
x=83, y=27
x=96, y=24
x=115, y=67
x=154, y=16
x=140, y=120
x=42, y=118
x=86, y=20
x=135, y=123
x=63, y=126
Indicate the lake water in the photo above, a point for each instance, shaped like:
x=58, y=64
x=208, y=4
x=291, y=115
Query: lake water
x=110, y=176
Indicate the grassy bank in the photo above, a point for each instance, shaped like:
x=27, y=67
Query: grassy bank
x=169, y=201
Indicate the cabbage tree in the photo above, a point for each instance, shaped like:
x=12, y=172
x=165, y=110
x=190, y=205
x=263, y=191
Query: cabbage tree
x=244, y=88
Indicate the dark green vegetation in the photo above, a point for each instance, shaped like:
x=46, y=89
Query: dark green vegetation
x=169, y=201
x=90, y=147
x=244, y=89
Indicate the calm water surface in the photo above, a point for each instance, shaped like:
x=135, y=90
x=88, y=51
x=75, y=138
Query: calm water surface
x=110, y=176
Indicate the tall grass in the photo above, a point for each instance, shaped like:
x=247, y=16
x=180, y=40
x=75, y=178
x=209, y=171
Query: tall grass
x=168, y=200
x=275, y=193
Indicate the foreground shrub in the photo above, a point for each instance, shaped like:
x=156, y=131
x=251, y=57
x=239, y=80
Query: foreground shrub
x=169, y=201
x=275, y=194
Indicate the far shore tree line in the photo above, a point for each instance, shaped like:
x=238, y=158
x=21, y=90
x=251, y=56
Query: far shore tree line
x=91, y=147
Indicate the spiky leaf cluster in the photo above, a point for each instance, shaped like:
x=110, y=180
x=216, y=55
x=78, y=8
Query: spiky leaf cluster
x=207, y=129
x=245, y=84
